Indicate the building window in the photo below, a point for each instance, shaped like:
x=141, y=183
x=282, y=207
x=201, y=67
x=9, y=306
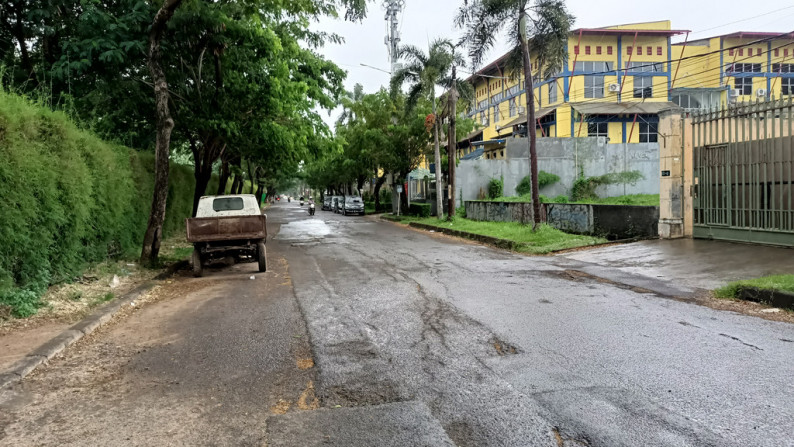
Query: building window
x=649, y=133
x=777, y=52
x=782, y=68
x=730, y=52
x=643, y=87
x=593, y=86
x=592, y=67
x=744, y=85
x=513, y=106
x=597, y=129
x=609, y=49
x=757, y=51
x=484, y=117
x=552, y=92
x=496, y=113
x=639, y=51
x=644, y=67
x=576, y=49
x=628, y=50
x=587, y=49
x=598, y=50
x=787, y=86
x=743, y=68
x=785, y=52
x=649, y=51
x=658, y=51
x=741, y=51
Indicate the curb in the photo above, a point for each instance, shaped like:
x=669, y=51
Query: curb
x=490, y=240
x=774, y=298
x=59, y=343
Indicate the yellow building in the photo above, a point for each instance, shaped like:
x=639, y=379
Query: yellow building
x=732, y=68
x=614, y=83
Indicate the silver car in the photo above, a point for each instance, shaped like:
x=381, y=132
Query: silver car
x=352, y=205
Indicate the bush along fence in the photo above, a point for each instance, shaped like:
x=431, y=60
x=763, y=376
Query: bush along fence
x=70, y=200
x=610, y=221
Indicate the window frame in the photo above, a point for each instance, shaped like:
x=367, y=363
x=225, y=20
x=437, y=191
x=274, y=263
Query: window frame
x=601, y=129
x=596, y=90
x=746, y=85
x=649, y=132
x=644, y=91
x=786, y=86
x=552, y=92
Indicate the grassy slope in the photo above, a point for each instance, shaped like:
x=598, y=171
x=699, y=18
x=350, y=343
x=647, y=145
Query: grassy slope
x=776, y=282
x=545, y=240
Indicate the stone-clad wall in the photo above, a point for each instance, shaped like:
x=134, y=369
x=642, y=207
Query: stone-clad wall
x=611, y=221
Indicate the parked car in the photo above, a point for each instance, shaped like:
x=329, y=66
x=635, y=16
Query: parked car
x=352, y=205
x=224, y=226
x=327, y=203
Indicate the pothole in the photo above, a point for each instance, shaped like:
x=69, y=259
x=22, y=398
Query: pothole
x=503, y=348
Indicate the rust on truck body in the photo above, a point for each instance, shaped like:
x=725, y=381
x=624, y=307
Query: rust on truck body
x=210, y=229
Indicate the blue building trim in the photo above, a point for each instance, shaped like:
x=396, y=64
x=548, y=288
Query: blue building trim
x=566, y=79
x=620, y=62
x=669, y=68
x=624, y=132
x=573, y=115
x=769, y=68
x=722, y=60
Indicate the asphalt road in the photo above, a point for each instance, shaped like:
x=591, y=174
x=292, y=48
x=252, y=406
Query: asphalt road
x=368, y=333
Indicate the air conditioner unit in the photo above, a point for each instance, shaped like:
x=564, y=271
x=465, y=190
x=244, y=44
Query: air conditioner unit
x=735, y=92
x=614, y=88
x=522, y=110
x=761, y=92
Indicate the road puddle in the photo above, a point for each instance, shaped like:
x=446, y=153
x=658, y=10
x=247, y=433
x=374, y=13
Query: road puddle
x=304, y=230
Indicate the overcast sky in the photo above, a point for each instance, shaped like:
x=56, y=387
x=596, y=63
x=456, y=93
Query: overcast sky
x=425, y=20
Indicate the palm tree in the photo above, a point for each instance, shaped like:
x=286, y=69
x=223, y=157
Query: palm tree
x=425, y=72
x=347, y=101
x=538, y=29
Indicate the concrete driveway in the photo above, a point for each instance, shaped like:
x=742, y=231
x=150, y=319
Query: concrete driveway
x=689, y=265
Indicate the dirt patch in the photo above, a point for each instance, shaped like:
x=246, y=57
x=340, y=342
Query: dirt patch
x=281, y=407
x=747, y=308
x=304, y=364
x=503, y=348
x=308, y=399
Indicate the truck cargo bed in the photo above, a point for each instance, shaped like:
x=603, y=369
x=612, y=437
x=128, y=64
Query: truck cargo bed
x=208, y=229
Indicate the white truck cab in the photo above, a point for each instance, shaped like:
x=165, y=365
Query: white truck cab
x=232, y=205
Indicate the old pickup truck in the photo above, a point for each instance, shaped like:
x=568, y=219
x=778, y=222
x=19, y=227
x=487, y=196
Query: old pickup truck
x=225, y=226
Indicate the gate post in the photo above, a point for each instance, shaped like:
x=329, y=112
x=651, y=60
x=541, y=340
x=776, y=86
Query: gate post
x=671, y=163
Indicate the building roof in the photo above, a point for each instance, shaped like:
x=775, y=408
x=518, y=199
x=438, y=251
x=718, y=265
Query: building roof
x=614, y=108
x=521, y=119
x=473, y=155
x=639, y=32
x=741, y=34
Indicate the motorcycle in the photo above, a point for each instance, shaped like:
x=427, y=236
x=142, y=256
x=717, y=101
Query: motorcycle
x=311, y=209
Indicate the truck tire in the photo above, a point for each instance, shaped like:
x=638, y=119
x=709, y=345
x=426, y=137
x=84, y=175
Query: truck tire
x=196, y=260
x=261, y=253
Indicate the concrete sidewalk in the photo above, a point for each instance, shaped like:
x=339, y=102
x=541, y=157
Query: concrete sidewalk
x=689, y=265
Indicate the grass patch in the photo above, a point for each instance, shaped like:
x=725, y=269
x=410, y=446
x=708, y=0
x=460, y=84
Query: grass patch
x=547, y=239
x=783, y=283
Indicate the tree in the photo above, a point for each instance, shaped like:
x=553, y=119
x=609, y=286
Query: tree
x=356, y=10
x=538, y=29
x=425, y=72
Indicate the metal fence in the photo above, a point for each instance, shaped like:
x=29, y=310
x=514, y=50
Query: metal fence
x=743, y=168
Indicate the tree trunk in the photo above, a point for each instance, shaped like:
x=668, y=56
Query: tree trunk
x=235, y=181
x=453, y=142
x=223, y=178
x=378, y=184
x=531, y=133
x=439, y=190
x=241, y=184
x=165, y=124
x=203, y=176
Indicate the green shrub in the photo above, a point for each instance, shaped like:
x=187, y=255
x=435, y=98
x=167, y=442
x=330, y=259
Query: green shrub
x=495, y=188
x=584, y=187
x=460, y=211
x=419, y=209
x=524, y=187
x=69, y=200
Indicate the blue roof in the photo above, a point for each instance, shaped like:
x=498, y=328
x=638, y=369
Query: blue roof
x=474, y=154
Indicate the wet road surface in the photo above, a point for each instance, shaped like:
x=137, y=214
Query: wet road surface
x=368, y=333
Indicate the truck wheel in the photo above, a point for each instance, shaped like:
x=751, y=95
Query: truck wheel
x=196, y=260
x=261, y=252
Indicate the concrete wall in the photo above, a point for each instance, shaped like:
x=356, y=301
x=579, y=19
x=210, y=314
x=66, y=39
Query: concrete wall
x=565, y=157
x=610, y=221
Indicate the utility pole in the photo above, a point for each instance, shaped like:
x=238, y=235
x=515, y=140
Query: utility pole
x=452, y=142
x=392, y=39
